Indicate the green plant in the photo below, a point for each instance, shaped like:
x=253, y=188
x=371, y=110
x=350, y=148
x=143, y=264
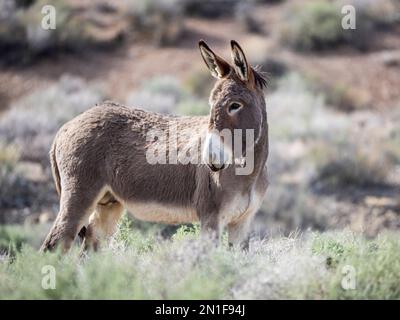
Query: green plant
x=316, y=25
x=158, y=20
x=194, y=107
x=313, y=26
x=351, y=164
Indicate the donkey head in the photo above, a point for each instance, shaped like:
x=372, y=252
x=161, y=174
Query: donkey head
x=237, y=107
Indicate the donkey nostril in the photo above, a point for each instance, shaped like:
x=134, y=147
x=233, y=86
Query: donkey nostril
x=216, y=168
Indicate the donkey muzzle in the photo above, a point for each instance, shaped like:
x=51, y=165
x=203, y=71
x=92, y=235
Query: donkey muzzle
x=216, y=155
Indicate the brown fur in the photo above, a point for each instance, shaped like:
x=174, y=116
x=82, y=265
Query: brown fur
x=99, y=166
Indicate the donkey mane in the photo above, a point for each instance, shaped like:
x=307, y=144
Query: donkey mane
x=260, y=77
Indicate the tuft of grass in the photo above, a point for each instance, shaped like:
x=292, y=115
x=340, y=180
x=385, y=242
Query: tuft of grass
x=187, y=232
x=14, y=237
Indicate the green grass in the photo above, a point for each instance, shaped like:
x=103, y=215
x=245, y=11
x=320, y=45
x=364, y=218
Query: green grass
x=141, y=265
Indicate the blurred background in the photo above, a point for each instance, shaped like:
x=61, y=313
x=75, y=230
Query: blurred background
x=333, y=98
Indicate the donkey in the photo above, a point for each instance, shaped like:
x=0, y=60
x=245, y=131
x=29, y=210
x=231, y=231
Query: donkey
x=100, y=166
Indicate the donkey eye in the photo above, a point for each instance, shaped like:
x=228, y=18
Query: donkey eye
x=233, y=107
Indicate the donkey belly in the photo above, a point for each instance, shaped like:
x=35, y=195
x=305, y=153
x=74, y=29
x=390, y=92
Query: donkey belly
x=163, y=213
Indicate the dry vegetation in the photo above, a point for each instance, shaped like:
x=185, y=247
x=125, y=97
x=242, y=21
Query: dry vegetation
x=334, y=118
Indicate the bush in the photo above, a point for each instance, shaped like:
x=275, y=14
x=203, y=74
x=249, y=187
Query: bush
x=77, y=27
x=32, y=122
x=339, y=94
x=209, y=8
x=383, y=14
x=166, y=95
x=313, y=26
x=198, y=82
x=244, y=14
x=193, y=107
x=317, y=25
x=21, y=195
x=352, y=164
x=14, y=189
x=12, y=33
x=159, y=94
x=81, y=26
x=158, y=20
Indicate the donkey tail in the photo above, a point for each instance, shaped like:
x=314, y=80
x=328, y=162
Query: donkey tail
x=54, y=168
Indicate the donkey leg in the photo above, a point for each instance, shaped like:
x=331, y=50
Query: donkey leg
x=102, y=222
x=210, y=227
x=238, y=232
x=75, y=208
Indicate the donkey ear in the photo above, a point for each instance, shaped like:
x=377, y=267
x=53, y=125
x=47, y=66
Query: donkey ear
x=240, y=65
x=218, y=67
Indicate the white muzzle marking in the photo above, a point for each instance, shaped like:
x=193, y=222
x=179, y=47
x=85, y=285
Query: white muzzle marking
x=216, y=153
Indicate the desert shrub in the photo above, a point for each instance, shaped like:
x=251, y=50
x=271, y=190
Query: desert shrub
x=314, y=25
x=339, y=94
x=267, y=1
x=317, y=25
x=159, y=20
x=14, y=236
x=81, y=26
x=15, y=191
x=297, y=112
x=193, y=107
x=134, y=233
x=188, y=268
x=77, y=27
x=383, y=14
x=291, y=208
x=209, y=8
x=352, y=163
x=244, y=14
x=198, y=82
x=187, y=232
x=12, y=33
x=159, y=94
x=347, y=98
x=32, y=122
x=375, y=263
x=74, y=30
x=20, y=195
x=167, y=95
